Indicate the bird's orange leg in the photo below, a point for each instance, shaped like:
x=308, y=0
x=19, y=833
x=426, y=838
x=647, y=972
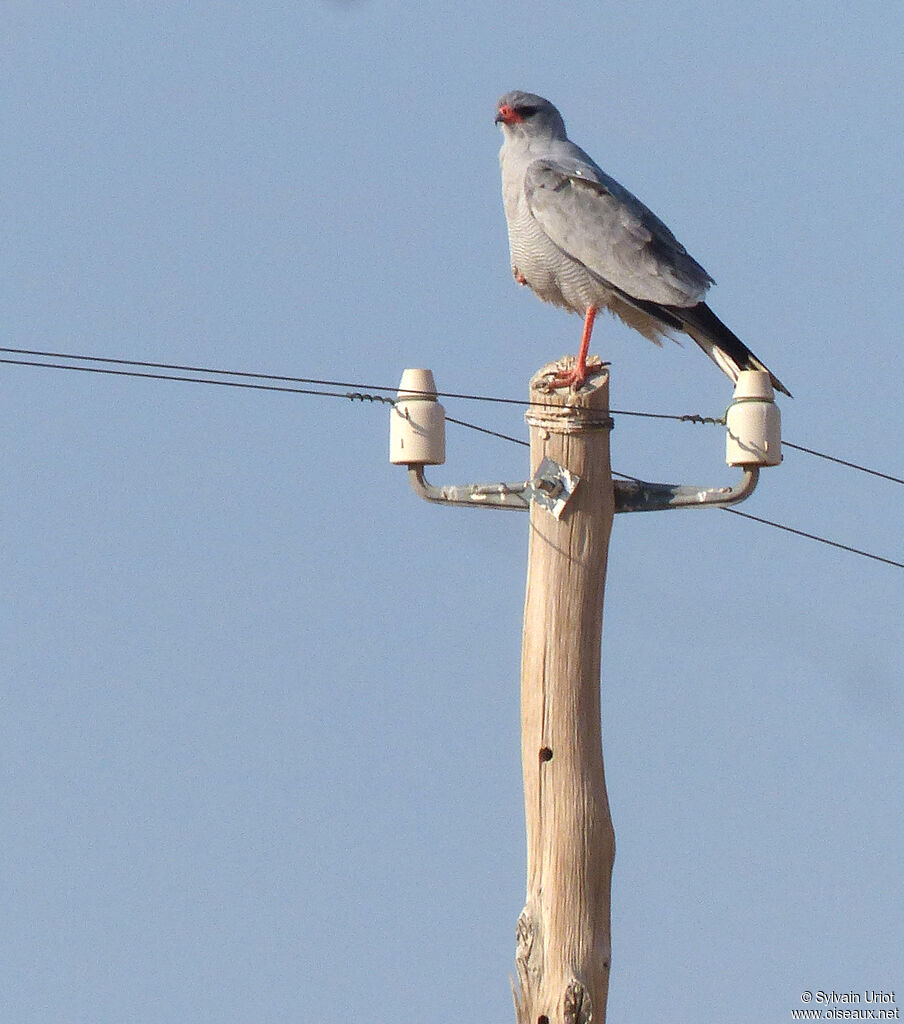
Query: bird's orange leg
x=576, y=377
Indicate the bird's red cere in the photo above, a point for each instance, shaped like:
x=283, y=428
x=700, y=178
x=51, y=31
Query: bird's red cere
x=508, y=115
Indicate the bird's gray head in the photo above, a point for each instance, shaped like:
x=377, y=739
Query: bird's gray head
x=526, y=114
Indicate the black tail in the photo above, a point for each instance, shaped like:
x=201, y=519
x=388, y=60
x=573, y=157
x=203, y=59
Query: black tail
x=724, y=347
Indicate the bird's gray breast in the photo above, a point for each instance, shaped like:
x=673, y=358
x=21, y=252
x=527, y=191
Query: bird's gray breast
x=553, y=275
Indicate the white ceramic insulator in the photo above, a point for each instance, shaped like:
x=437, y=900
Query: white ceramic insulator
x=754, y=423
x=417, y=422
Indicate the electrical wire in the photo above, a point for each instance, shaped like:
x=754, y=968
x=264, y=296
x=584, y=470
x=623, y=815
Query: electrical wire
x=842, y=462
x=248, y=379
x=734, y=511
x=322, y=383
x=813, y=536
x=231, y=373
x=193, y=380
x=183, y=368
x=492, y=433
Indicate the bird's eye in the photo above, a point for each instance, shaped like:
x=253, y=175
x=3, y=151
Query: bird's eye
x=527, y=111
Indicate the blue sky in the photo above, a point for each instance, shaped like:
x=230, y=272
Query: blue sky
x=260, y=704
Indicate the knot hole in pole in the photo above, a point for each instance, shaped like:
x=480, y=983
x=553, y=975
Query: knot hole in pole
x=545, y=754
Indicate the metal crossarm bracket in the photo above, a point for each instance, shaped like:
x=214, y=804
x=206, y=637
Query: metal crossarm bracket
x=641, y=496
x=515, y=495
x=551, y=487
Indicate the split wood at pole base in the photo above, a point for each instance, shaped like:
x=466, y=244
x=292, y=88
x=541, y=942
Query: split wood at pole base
x=563, y=936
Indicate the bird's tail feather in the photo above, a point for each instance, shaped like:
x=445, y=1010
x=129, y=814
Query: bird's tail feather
x=724, y=347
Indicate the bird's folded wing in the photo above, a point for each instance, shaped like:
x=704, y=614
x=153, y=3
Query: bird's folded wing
x=594, y=220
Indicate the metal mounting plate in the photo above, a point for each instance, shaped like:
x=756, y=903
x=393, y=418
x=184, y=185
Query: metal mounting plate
x=552, y=486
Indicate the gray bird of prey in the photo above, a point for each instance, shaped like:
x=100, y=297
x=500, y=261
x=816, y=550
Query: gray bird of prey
x=580, y=240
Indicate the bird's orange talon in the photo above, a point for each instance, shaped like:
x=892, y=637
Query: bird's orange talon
x=567, y=379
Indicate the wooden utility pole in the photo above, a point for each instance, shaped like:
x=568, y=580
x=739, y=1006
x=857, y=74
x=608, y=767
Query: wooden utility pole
x=563, y=938
x=564, y=944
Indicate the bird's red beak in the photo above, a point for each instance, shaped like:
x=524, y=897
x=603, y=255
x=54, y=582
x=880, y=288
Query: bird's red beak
x=508, y=115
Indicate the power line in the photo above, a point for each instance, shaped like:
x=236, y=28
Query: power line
x=842, y=462
x=247, y=374
x=492, y=433
x=182, y=368
x=189, y=380
x=359, y=395
x=358, y=387
x=813, y=536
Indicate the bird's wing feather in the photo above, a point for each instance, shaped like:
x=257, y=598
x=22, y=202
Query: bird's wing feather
x=596, y=221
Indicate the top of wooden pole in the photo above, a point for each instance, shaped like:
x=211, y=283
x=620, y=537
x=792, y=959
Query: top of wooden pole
x=563, y=411
x=570, y=410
